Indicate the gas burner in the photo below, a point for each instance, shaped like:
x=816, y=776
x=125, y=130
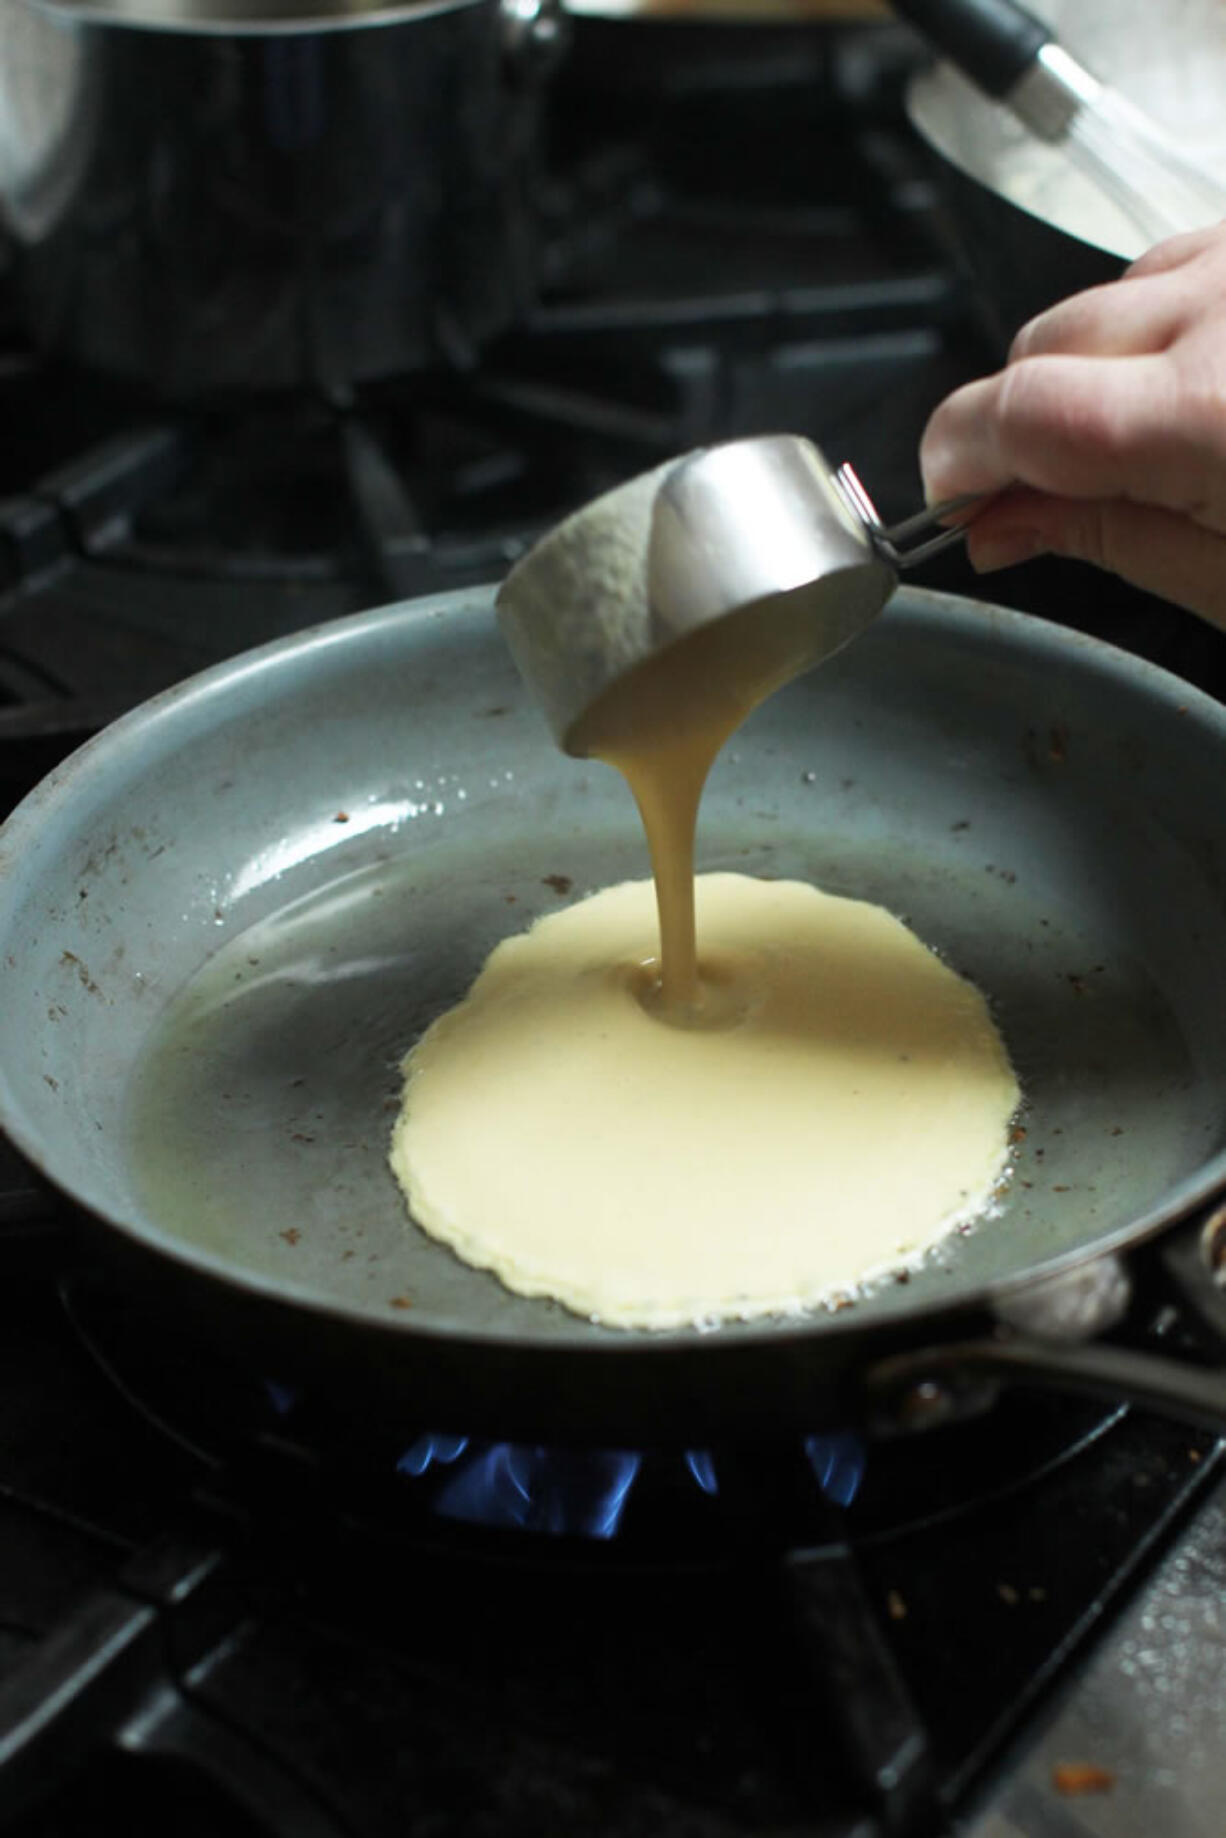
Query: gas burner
x=652, y=1505
x=870, y=1666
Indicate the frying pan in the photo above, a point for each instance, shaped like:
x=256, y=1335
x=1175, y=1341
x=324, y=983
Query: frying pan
x=224, y=920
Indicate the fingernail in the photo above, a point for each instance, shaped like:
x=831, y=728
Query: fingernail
x=1003, y=549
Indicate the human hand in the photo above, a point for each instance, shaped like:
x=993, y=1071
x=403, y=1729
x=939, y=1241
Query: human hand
x=1105, y=433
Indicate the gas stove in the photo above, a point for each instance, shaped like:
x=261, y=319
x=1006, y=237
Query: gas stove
x=226, y=1609
x=218, y=1608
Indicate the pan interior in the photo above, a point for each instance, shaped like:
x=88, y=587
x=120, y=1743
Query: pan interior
x=1030, y=805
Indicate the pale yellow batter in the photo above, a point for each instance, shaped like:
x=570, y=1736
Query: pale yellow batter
x=837, y=1103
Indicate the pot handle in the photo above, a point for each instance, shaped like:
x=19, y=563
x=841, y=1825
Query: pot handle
x=1183, y=1276
x=535, y=36
x=994, y=42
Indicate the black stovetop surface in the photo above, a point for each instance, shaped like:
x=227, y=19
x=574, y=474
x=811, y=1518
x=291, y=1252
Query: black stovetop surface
x=213, y=1618
x=210, y=1617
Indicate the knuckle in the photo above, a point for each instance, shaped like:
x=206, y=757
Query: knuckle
x=1040, y=407
x=1048, y=331
x=1199, y=398
x=1015, y=403
x=1091, y=534
x=1170, y=253
x=1026, y=340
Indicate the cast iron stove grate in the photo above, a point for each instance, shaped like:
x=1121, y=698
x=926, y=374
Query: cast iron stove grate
x=141, y=541
x=205, y=1584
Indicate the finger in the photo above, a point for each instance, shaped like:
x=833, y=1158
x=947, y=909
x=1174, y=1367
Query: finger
x=1157, y=550
x=1121, y=319
x=958, y=450
x=1175, y=251
x=1081, y=427
x=1139, y=311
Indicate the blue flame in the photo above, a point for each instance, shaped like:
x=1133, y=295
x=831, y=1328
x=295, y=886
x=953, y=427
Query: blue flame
x=512, y=1486
x=701, y=1466
x=580, y=1493
x=428, y=1449
x=283, y=1398
x=838, y=1461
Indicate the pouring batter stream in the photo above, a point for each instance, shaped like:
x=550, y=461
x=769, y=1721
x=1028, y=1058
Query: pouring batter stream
x=831, y=1101
x=662, y=727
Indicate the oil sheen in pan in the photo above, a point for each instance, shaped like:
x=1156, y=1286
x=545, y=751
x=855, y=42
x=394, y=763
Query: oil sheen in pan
x=259, y=1116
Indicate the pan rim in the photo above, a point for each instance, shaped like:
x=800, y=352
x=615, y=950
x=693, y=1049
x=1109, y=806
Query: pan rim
x=954, y=615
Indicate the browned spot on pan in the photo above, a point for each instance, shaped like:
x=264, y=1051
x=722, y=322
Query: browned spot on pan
x=87, y=981
x=1075, y=1777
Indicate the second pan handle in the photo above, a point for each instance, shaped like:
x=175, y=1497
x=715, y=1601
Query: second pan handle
x=923, y=1388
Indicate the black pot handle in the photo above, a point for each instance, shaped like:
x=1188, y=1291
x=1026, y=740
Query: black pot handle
x=1180, y=1278
x=994, y=42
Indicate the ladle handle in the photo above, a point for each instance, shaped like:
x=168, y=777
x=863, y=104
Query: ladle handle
x=934, y=518
x=889, y=540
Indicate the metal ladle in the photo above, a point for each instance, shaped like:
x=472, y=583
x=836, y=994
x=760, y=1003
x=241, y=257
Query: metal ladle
x=764, y=522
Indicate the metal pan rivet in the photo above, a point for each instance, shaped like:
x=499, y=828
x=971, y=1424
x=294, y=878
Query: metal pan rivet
x=1213, y=1244
x=925, y=1405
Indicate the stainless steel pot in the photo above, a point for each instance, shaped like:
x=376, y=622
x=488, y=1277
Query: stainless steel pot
x=208, y=195
x=1031, y=226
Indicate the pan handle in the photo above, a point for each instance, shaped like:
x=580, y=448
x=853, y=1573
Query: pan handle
x=1181, y=1278
x=1192, y=1259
